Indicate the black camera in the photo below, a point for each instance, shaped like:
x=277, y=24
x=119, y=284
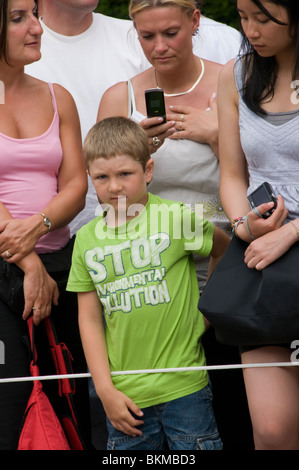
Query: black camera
x=155, y=105
x=264, y=193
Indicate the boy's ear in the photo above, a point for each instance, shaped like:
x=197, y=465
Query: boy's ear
x=149, y=170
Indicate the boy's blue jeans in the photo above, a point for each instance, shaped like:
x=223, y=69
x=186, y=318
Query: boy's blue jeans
x=187, y=423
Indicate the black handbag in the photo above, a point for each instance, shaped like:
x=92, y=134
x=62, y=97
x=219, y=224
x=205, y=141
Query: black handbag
x=250, y=307
x=57, y=265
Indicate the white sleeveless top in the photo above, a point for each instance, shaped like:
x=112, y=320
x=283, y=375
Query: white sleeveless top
x=188, y=172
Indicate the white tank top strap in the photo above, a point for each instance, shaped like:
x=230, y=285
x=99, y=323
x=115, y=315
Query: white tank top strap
x=132, y=111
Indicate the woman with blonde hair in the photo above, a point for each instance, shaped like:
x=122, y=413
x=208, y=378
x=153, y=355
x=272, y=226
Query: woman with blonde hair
x=185, y=148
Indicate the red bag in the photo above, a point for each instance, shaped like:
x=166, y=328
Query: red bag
x=42, y=430
x=66, y=387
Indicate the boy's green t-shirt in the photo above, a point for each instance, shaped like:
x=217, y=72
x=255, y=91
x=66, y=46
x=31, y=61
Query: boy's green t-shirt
x=145, y=278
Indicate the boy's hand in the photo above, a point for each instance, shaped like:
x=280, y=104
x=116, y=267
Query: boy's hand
x=118, y=408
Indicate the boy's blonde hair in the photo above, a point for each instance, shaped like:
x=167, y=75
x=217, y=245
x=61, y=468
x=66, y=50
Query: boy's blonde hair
x=188, y=6
x=116, y=136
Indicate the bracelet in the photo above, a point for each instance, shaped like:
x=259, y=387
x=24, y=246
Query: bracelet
x=47, y=222
x=241, y=220
x=235, y=223
x=248, y=229
x=295, y=227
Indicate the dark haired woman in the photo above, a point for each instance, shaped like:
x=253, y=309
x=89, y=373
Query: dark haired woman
x=42, y=187
x=259, y=141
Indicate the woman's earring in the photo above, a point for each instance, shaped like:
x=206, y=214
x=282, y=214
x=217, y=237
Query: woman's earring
x=195, y=33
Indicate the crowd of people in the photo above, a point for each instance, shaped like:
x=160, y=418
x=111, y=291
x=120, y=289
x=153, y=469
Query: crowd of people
x=74, y=83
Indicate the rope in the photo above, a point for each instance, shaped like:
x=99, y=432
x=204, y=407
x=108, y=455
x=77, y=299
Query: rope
x=153, y=371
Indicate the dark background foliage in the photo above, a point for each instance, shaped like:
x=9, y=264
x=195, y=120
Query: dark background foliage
x=219, y=10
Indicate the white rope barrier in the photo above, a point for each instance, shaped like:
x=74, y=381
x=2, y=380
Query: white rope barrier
x=153, y=371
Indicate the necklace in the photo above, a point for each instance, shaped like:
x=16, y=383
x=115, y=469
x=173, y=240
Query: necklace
x=190, y=89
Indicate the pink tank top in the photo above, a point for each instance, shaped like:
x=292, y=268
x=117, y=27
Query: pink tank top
x=29, y=170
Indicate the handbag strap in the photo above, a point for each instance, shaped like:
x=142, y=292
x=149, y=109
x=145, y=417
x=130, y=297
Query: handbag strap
x=63, y=363
x=31, y=329
x=62, y=358
x=66, y=387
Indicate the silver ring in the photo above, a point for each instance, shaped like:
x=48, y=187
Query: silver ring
x=182, y=117
x=257, y=212
x=156, y=141
x=180, y=127
x=7, y=254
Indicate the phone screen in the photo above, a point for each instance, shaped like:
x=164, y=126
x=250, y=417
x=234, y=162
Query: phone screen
x=260, y=196
x=155, y=105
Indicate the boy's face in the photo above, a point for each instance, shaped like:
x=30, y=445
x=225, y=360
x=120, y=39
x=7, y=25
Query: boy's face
x=121, y=181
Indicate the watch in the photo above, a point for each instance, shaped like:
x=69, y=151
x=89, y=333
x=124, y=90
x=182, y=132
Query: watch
x=47, y=221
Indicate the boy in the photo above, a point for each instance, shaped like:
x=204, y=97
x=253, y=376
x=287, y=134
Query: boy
x=136, y=258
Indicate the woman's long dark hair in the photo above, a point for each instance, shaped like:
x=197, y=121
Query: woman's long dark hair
x=3, y=28
x=260, y=73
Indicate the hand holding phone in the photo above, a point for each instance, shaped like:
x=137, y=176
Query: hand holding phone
x=155, y=104
x=264, y=193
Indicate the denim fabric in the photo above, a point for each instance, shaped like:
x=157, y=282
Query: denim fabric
x=187, y=423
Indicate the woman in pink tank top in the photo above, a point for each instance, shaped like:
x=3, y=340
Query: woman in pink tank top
x=42, y=188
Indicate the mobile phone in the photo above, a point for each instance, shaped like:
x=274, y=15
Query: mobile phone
x=264, y=193
x=155, y=104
